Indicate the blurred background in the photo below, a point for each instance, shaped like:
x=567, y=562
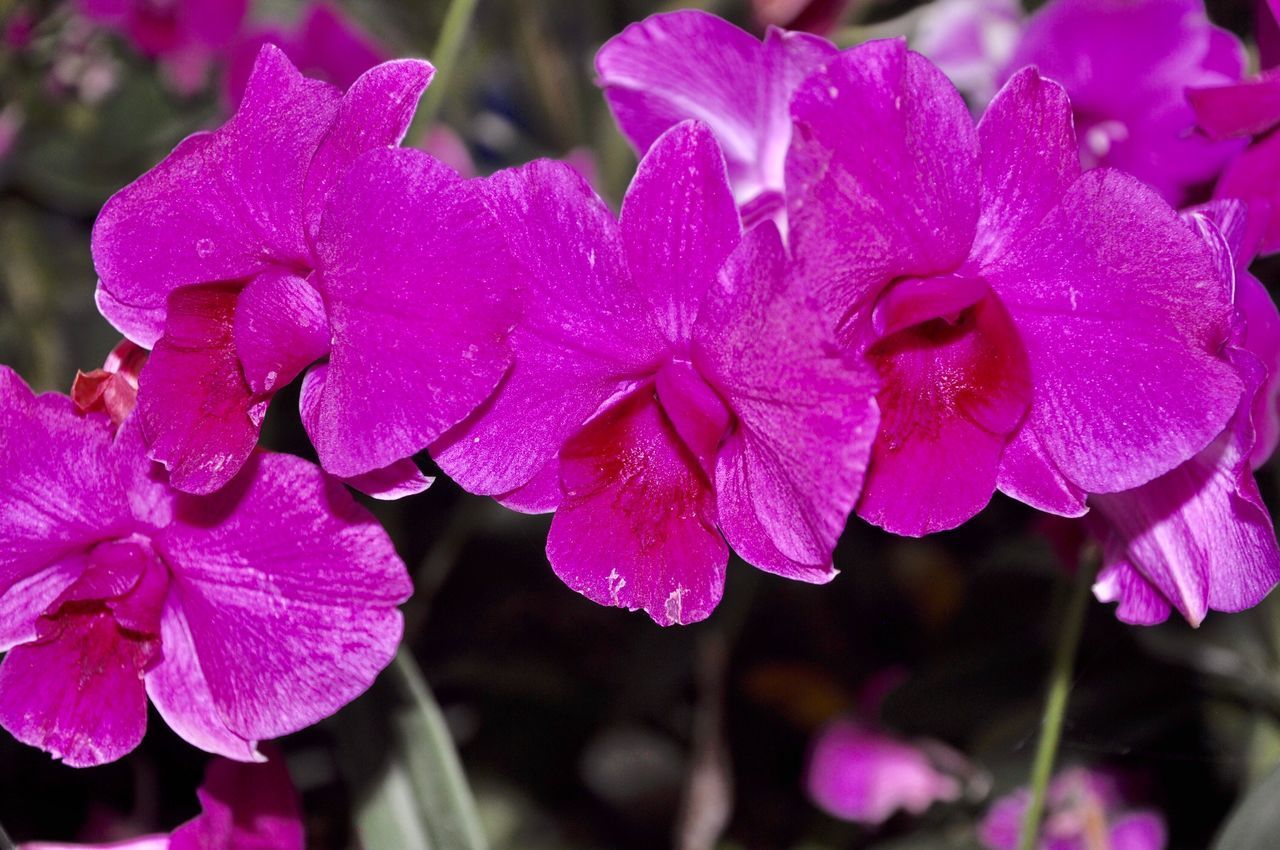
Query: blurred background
x=581, y=726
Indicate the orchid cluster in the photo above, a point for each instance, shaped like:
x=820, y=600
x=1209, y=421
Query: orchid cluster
x=830, y=290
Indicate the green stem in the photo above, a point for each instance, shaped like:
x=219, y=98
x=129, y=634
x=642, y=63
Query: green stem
x=457, y=20
x=1055, y=708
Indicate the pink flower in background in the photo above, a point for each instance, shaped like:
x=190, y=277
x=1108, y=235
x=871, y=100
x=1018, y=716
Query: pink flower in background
x=690, y=64
x=1129, y=94
x=656, y=395
x=241, y=617
x=1039, y=330
x=971, y=41
x=862, y=774
x=815, y=16
x=326, y=44
x=1200, y=537
x=1086, y=809
x=226, y=260
x=243, y=807
x=1241, y=110
x=185, y=35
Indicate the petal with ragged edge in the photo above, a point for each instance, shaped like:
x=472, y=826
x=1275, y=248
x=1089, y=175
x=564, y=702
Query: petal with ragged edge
x=636, y=528
x=790, y=472
x=78, y=696
x=411, y=271
x=679, y=223
x=224, y=204
x=278, y=330
x=673, y=67
x=583, y=333
x=199, y=415
x=882, y=176
x=287, y=627
x=1122, y=313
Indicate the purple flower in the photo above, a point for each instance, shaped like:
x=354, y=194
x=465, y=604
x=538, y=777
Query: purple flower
x=690, y=64
x=816, y=16
x=970, y=41
x=1038, y=330
x=1200, y=537
x=1086, y=809
x=325, y=44
x=667, y=380
x=294, y=236
x=242, y=806
x=861, y=774
x=1249, y=108
x=241, y=616
x=185, y=35
x=1128, y=93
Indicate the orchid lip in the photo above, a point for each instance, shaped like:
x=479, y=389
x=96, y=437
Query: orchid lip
x=908, y=302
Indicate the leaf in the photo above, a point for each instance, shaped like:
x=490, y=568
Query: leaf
x=1255, y=822
x=397, y=753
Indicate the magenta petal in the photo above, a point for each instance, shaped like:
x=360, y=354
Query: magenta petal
x=1248, y=108
x=400, y=479
x=336, y=574
x=374, y=113
x=224, y=203
x=689, y=64
x=78, y=695
x=1128, y=93
x=1254, y=177
x=59, y=492
x=197, y=411
x=331, y=43
x=954, y=393
x=1262, y=340
x=141, y=325
x=882, y=176
x=1028, y=473
x=679, y=223
x=790, y=473
x=1029, y=159
x=637, y=525
x=1139, y=602
x=1123, y=314
x=247, y=807
x=1139, y=831
x=279, y=329
x=1200, y=535
x=413, y=280
x=584, y=331
x=860, y=775
x=180, y=692
x=22, y=602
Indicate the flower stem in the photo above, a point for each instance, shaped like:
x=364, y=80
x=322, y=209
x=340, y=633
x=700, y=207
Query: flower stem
x=1055, y=707
x=457, y=21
